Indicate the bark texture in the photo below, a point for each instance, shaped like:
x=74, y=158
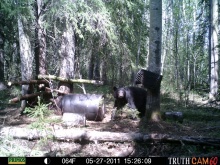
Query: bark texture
x=67, y=55
x=213, y=49
x=97, y=136
x=26, y=58
x=154, y=59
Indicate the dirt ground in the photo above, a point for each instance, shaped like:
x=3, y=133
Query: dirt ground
x=122, y=123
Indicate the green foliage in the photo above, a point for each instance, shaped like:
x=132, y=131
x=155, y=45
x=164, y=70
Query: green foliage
x=15, y=91
x=185, y=40
x=10, y=147
x=3, y=95
x=128, y=112
x=118, y=30
x=40, y=111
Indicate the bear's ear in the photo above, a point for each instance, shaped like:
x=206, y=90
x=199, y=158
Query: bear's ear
x=115, y=88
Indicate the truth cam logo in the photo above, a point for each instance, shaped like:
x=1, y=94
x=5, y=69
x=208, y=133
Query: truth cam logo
x=193, y=161
x=205, y=161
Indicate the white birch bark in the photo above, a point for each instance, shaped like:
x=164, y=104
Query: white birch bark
x=154, y=59
x=214, y=50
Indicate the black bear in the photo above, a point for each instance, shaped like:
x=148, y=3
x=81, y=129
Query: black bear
x=134, y=96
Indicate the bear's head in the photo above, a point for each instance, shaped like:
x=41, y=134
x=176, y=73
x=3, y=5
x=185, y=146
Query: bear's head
x=120, y=97
x=119, y=92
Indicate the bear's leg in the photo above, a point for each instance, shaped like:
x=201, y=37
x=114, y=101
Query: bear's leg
x=131, y=103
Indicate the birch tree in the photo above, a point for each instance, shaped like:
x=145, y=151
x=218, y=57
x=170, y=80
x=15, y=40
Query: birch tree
x=1, y=58
x=213, y=49
x=154, y=59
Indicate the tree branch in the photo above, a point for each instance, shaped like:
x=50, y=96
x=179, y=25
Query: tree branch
x=71, y=80
x=27, y=82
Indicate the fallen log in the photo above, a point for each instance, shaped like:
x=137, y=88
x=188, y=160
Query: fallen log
x=175, y=116
x=25, y=97
x=70, y=80
x=29, y=96
x=10, y=83
x=97, y=136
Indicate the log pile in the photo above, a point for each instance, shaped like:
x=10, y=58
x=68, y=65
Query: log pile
x=45, y=80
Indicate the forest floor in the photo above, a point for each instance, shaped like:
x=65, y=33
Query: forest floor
x=201, y=119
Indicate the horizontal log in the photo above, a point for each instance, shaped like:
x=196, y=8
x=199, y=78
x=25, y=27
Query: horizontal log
x=25, y=97
x=70, y=80
x=56, y=90
x=29, y=96
x=69, y=134
x=97, y=136
x=10, y=83
x=176, y=116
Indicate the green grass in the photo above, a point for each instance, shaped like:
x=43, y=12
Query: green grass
x=11, y=147
x=203, y=120
x=39, y=111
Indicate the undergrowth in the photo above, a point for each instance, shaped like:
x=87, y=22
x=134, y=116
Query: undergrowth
x=39, y=112
x=198, y=121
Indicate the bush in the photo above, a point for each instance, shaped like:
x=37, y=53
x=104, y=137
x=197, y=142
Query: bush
x=40, y=111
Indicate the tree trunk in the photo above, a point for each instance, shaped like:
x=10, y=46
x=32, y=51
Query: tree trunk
x=103, y=66
x=154, y=59
x=97, y=67
x=1, y=58
x=91, y=65
x=40, y=47
x=213, y=49
x=67, y=55
x=165, y=43
x=120, y=70
x=94, y=63
x=188, y=81
x=26, y=59
x=175, y=53
x=104, y=71
x=77, y=64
